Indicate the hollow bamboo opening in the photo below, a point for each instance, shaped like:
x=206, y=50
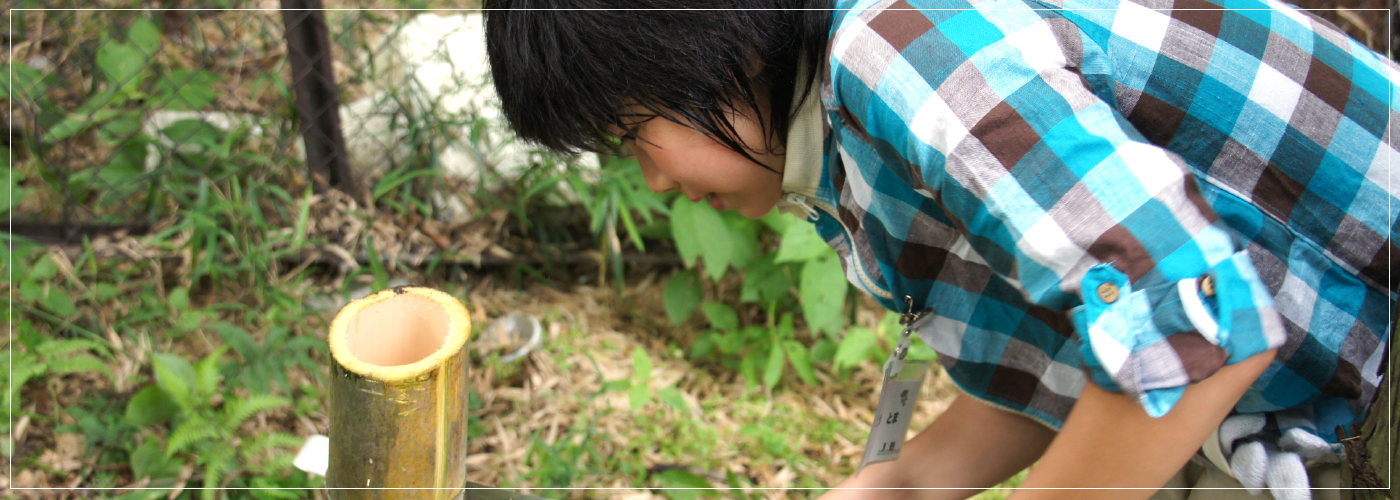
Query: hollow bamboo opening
x=399, y=330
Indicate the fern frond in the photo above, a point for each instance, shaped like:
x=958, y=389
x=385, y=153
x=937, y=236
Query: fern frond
x=240, y=409
x=187, y=434
x=80, y=363
x=24, y=369
x=255, y=452
x=217, y=463
x=269, y=441
x=60, y=347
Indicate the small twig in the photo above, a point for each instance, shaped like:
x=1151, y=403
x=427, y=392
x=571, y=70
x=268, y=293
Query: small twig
x=180, y=486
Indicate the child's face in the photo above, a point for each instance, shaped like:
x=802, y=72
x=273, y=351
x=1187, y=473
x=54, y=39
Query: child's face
x=677, y=157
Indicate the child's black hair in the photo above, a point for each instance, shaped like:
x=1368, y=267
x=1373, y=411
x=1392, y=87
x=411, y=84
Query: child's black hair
x=566, y=71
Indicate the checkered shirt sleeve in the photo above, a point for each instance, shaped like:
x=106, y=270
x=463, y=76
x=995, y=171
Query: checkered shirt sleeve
x=1007, y=115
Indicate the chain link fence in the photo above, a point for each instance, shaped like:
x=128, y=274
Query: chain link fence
x=109, y=108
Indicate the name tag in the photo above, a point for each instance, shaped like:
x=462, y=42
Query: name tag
x=897, y=397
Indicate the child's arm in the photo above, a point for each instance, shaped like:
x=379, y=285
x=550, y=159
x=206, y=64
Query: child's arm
x=970, y=445
x=1109, y=441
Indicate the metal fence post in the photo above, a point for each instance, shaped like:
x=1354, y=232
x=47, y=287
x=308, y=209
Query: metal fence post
x=317, y=97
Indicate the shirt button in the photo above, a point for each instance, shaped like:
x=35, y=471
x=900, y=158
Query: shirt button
x=1207, y=286
x=1108, y=293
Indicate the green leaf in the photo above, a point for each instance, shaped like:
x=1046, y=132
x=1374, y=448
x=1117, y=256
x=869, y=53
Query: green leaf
x=703, y=346
x=735, y=489
x=716, y=240
x=12, y=192
x=855, y=348
x=59, y=303
x=43, y=270
x=23, y=368
x=189, y=432
x=241, y=409
x=183, y=89
x=639, y=396
x=381, y=277
x=237, y=337
x=616, y=385
x=749, y=367
x=174, y=375
x=683, y=230
x=673, y=398
x=397, y=178
x=801, y=243
x=122, y=128
x=125, y=167
x=150, y=406
x=30, y=291
x=681, y=295
x=207, y=373
x=823, y=350
x=778, y=221
x=889, y=327
x=54, y=348
x=121, y=63
x=189, y=320
x=178, y=298
x=77, y=122
x=766, y=281
x=641, y=365
x=822, y=289
x=28, y=81
x=920, y=351
x=148, y=460
x=797, y=355
x=79, y=363
x=721, y=316
x=194, y=132
x=773, y=371
x=144, y=36
x=743, y=234
x=689, y=485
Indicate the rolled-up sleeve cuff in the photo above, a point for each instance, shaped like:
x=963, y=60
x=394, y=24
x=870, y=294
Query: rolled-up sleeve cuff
x=1150, y=343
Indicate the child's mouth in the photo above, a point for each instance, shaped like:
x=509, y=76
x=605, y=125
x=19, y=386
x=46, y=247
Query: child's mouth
x=715, y=202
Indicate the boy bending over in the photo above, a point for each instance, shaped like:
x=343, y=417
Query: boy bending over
x=1152, y=239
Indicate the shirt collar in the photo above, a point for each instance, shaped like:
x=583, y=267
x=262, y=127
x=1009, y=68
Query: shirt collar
x=802, y=165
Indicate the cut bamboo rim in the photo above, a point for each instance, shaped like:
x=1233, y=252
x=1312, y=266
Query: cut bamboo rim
x=398, y=396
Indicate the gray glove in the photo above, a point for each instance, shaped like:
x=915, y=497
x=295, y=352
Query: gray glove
x=1260, y=459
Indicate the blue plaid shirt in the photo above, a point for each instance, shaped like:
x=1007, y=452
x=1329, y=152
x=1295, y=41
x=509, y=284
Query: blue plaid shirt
x=1115, y=190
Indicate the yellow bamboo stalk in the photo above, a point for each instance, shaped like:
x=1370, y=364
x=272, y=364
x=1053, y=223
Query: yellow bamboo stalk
x=398, y=397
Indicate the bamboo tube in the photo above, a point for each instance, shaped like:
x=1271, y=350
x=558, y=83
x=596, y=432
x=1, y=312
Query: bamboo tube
x=398, y=397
